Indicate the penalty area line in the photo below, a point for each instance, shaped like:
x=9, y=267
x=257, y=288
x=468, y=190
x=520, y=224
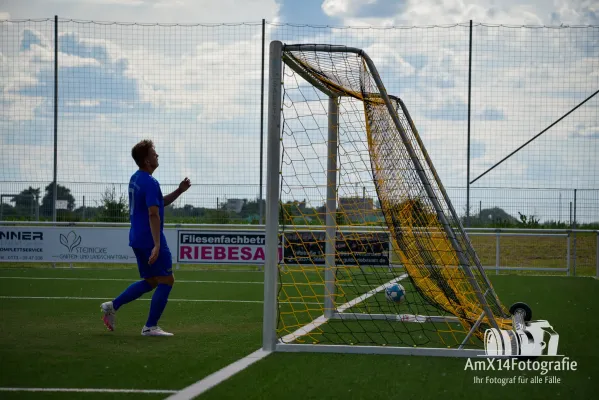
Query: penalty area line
x=87, y=390
x=219, y=376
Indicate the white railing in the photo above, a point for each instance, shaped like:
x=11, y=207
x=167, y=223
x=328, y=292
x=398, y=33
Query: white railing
x=569, y=265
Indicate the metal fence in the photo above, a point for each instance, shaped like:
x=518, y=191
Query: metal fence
x=509, y=115
x=571, y=252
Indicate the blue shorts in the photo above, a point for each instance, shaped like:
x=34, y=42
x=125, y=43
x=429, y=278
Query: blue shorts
x=163, y=266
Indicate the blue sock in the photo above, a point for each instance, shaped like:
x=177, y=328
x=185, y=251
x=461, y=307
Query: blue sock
x=159, y=300
x=134, y=291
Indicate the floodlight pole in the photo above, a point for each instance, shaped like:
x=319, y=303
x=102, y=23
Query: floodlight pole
x=55, y=174
x=269, y=335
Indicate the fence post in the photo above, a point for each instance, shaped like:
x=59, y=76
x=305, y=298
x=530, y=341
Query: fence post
x=574, y=237
x=497, y=251
x=260, y=202
x=568, y=254
x=468, y=147
x=55, y=182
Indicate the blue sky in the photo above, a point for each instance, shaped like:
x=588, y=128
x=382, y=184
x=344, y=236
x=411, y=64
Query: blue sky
x=196, y=90
x=305, y=12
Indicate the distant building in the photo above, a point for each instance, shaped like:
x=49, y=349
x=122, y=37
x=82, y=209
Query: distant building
x=234, y=205
x=357, y=209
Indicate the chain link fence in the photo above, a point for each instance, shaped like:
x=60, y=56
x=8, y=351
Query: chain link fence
x=509, y=115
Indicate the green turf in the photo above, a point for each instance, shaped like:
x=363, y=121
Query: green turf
x=76, y=396
x=62, y=343
x=570, y=304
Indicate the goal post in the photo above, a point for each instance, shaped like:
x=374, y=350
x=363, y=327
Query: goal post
x=332, y=130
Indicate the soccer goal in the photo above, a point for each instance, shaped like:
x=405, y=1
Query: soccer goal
x=374, y=259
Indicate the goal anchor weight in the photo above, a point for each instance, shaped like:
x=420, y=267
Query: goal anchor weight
x=526, y=338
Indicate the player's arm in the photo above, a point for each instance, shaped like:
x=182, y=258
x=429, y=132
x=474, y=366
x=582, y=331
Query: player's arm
x=183, y=186
x=153, y=202
x=154, y=216
x=171, y=197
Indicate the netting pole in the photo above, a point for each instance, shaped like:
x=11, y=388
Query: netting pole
x=597, y=257
x=260, y=205
x=55, y=181
x=269, y=336
x=331, y=208
x=468, y=149
x=37, y=207
x=568, y=256
x=574, y=236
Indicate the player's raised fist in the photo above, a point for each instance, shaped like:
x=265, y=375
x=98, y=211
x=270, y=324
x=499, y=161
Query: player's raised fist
x=184, y=185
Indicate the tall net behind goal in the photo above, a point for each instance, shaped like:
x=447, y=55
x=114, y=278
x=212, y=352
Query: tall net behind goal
x=362, y=208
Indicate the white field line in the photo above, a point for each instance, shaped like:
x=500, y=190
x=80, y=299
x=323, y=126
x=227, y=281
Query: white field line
x=108, y=298
x=321, y=320
x=33, y=278
x=86, y=390
x=216, y=378
x=219, y=376
x=119, y=279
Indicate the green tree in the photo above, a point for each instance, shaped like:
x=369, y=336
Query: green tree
x=491, y=217
x=528, y=221
x=252, y=207
x=290, y=211
x=63, y=193
x=26, y=202
x=26, y=198
x=113, y=208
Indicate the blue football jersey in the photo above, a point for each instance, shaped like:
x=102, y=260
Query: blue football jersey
x=144, y=192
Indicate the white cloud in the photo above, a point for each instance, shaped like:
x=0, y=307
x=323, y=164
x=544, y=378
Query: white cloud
x=20, y=160
x=523, y=80
x=148, y=11
x=588, y=130
x=576, y=12
x=169, y=3
x=20, y=108
x=385, y=56
x=341, y=8
x=113, y=2
x=433, y=12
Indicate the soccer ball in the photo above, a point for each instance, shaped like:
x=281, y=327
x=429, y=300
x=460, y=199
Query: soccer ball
x=395, y=293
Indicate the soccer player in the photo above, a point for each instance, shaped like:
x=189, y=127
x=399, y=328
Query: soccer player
x=146, y=237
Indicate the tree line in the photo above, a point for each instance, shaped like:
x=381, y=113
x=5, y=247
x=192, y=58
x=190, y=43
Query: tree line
x=30, y=205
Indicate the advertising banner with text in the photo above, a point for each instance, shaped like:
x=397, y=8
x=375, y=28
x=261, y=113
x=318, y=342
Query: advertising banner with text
x=221, y=247
x=69, y=244
x=351, y=248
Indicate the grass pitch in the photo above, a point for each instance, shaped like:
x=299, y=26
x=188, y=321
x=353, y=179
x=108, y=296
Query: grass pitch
x=52, y=337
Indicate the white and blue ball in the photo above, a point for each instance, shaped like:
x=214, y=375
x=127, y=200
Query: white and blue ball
x=395, y=293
